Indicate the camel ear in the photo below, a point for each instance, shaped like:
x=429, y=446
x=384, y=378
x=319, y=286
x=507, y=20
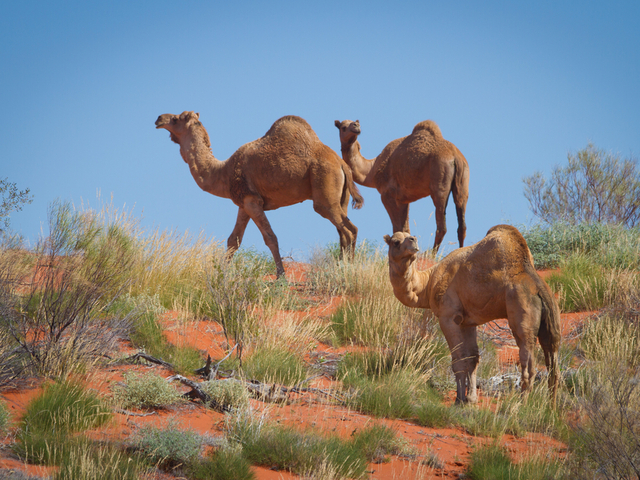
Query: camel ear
x=358, y=122
x=387, y=239
x=197, y=116
x=337, y=123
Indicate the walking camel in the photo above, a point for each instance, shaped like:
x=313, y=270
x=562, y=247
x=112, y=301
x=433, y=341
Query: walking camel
x=471, y=286
x=410, y=168
x=288, y=165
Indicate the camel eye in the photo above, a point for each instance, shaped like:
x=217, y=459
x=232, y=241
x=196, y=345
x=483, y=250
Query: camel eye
x=344, y=128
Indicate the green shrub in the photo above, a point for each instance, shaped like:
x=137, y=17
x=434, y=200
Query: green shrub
x=229, y=392
x=274, y=365
x=145, y=391
x=169, y=447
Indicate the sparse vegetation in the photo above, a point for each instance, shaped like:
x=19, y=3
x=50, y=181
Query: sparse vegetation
x=398, y=365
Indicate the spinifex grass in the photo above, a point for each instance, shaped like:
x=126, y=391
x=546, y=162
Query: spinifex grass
x=168, y=447
x=147, y=334
x=51, y=418
x=491, y=462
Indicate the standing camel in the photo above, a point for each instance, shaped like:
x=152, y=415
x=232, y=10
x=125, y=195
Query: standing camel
x=410, y=168
x=288, y=165
x=471, y=286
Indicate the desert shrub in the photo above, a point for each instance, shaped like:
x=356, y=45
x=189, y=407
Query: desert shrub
x=274, y=365
x=4, y=417
x=430, y=411
x=60, y=410
x=612, y=246
x=229, y=392
x=287, y=449
x=377, y=442
x=58, y=319
x=12, y=199
x=168, y=447
x=147, y=334
x=221, y=464
x=145, y=391
x=595, y=187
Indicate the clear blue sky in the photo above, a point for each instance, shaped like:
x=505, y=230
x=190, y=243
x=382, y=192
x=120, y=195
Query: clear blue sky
x=515, y=85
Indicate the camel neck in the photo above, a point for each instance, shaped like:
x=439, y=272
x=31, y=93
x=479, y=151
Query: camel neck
x=207, y=170
x=410, y=285
x=360, y=166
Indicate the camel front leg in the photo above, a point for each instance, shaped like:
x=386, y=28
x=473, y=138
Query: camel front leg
x=440, y=203
x=465, y=356
x=253, y=207
x=235, y=239
x=398, y=213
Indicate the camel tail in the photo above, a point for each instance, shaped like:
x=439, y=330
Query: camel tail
x=460, y=192
x=351, y=188
x=549, y=334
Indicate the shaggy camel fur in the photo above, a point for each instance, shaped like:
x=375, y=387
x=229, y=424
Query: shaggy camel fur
x=492, y=279
x=410, y=168
x=288, y=165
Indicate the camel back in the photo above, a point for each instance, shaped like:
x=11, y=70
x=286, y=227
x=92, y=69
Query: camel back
x=430, y=126
x=293, y=127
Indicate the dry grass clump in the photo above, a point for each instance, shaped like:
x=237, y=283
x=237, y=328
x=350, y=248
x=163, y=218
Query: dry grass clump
x=145, y=391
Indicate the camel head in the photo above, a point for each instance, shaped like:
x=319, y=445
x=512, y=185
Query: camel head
x=403, y=247
x=178, y=125
x=349, y=131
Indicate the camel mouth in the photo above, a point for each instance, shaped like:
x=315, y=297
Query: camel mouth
x=162, y=121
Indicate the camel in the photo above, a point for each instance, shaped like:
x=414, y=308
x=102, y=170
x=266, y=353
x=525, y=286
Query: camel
x=288, y=165
x=410, y=168
x=491, y=279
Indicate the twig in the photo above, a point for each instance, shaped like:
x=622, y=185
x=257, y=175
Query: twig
x=197, y=392
x=133, y=414
x=136, y=358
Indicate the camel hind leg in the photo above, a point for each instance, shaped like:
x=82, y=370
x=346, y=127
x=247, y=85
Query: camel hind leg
x=253, y=207
x=523, y=312
x=347, y=231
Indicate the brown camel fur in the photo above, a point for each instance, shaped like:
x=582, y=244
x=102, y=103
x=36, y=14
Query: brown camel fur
x=492, y=279
x=288, y=165
x=410, y=168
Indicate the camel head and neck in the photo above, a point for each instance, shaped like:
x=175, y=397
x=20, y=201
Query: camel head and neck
x=350, y=148
x=195, y=148
x=409, y=285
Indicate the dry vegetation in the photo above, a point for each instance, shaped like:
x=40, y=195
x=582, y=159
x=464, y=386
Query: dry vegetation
x=99, y=282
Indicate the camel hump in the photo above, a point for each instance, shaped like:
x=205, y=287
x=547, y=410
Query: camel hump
x=292, y=125
x=430, y=126
x=516, y=242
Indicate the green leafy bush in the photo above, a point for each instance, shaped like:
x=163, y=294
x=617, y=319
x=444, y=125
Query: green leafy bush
x=145, y=391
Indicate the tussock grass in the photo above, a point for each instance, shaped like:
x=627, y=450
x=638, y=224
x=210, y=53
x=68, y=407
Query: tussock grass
x=360, y=277
x=274, y=365
x=221, y=464
x=94, y=461
x=4, y=417
x=63, y=408
x=227, y=392
x=147, y=390
x=492, y=462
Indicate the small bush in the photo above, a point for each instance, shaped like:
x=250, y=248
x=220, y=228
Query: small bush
x=274, y=365
x=377, y=442
x=229, y=393
x=169, y=447
x=145, y=391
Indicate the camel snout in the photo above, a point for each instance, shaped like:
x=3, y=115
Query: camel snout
x=163, y=120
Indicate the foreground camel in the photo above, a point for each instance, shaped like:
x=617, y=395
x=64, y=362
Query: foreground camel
x=288, y=165
x=492, y=279
x=410, y=168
